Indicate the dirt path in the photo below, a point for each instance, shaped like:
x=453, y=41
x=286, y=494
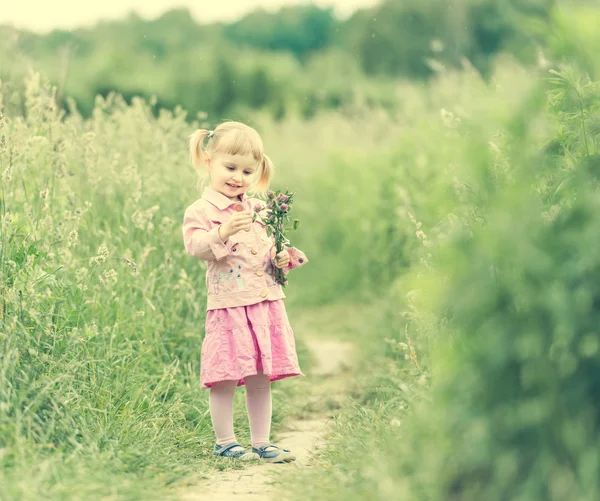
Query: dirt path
x=327, y=386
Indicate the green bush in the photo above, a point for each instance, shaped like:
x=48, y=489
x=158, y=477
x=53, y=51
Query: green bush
x=499, y=310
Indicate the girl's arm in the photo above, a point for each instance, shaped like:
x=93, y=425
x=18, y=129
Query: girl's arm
x=200, y=240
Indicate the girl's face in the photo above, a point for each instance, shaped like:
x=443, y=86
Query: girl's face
x=231, y=175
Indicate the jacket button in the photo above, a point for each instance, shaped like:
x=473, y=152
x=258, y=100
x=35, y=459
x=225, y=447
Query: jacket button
x=264, y=294
x=254, y=251
x=239, y=208
x=259, y=273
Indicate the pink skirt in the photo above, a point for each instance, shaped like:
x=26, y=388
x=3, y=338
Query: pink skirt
x=248, y=340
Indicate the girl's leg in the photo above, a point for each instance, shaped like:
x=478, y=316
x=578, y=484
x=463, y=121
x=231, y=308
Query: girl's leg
x=259, y=405
x=221, y=411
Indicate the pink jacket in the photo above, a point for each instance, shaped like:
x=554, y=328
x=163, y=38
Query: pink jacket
x=240, y=271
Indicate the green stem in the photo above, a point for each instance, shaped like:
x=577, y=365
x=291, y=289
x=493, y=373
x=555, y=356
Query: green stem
x=587, y=150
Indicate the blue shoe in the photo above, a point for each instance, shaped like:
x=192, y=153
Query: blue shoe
x=234, y=451
x=272, y=454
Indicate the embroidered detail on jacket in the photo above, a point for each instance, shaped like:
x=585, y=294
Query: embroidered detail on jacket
x=214, y=280
x=220, y=278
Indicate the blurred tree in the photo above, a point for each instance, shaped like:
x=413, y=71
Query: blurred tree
x=259, y=88
x=517, y=26
x=298, y=29
x=299, y=58
x=396, y=38
x=400, y=37
x=223, y=88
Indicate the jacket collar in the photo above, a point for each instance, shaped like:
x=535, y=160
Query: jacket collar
x=219, y=200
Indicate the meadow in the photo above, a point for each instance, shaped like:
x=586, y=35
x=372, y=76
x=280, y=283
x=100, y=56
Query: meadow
x=467, y=221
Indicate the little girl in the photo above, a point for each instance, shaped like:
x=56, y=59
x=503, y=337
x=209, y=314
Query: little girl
x=248, y=338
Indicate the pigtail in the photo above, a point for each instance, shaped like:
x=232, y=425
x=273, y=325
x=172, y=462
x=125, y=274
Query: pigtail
x=196, y=141
x=266, y=172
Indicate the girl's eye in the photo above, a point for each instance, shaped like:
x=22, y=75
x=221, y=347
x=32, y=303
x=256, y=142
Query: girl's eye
x=247, y=173
x=230, y=167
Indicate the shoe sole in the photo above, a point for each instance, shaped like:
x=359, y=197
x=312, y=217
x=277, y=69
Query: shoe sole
x=250, y=456
x=285, y=459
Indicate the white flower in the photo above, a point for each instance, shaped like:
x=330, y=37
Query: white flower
x=395, y=423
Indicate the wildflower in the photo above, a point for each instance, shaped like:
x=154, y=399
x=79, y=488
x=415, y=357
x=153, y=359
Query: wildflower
x=101, y=257
x=257, y=208
x=395, y=423
x=8, y=219
x=275, y=218
x=494, y=147
x=551, y=214
x=73, y=238
x=81, y=274
x=166, y=224
x=7, y=174
x=132, y=265
x=44, y=193
x=450, y=119
x=143, y=219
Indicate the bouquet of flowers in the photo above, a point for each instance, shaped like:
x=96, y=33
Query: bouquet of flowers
x=278, y=215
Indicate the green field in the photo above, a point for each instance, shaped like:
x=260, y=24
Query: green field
x=464, y=218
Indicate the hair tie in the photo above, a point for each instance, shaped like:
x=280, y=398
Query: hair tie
x=211, y=133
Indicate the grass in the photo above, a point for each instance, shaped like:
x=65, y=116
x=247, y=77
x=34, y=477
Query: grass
x=99, y=374
x=101, y=310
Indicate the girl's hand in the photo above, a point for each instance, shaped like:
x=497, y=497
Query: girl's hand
x=239, y=221
x=282, y=259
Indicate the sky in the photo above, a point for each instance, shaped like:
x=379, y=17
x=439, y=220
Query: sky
x=43, y=16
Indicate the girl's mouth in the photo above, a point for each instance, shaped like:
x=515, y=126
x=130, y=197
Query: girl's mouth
x=232, y=186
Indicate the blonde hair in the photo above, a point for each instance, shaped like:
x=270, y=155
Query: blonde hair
x=232, y=138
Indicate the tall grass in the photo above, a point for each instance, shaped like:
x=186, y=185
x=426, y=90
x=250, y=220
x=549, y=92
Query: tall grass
x=443, y=212
x=101, y=310
x=480, y=385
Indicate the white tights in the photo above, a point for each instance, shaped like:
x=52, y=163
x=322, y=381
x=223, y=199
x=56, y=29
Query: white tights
x=258, y=404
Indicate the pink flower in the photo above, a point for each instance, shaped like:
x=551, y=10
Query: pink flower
x=285, y=198
x=257, y=208
x=284, y=207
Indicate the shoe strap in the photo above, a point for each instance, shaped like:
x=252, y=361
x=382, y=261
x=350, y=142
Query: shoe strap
x=264, y=448
x=229, y=447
